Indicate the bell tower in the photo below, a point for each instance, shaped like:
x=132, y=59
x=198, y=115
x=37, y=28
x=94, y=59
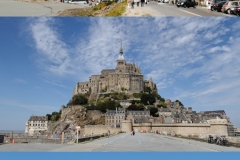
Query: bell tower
x=121, y=63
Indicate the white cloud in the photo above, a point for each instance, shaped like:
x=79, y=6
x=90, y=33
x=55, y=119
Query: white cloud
x=19, y=80
x=54, y=56
x=32, y=107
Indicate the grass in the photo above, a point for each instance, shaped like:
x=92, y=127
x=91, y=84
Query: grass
x=118, y=10
x=90, y=11
x=137, y=95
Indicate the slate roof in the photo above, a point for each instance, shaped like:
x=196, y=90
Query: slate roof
x=38, y=118
x=113, y=112
x=139, y=112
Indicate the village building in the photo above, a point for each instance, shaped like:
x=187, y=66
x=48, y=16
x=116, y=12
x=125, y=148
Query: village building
x=36, y=125
x=113, y=118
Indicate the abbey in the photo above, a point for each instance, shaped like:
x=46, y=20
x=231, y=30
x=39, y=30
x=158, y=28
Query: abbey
x=126, y=77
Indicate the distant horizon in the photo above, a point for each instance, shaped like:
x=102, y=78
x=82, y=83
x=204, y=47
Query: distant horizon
x=194, y=60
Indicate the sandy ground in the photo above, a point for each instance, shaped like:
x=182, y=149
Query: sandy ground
x=16, y=8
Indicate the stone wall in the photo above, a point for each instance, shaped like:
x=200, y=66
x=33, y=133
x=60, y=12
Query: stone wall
x=99, y=129
x=33, y=140
x=215, y=127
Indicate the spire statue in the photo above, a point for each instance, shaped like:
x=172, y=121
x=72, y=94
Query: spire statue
x=121, y=57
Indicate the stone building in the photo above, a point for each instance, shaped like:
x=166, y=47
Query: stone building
x=113, y=118
x=36, y=124
x=139, y=116
x=125, y=77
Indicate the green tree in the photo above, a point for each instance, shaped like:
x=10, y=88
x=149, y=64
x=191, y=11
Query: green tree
x=79, y=99
x=148, y=99
x=162, y=104
x=140, y=107
x=132, y=107
x=153, y=112
x=109, y=104
x=147, y=89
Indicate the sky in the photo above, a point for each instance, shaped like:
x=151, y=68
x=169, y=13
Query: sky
x=194, y=60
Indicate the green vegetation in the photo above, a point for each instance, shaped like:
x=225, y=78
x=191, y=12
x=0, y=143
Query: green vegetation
x=109, y=104
x=55, y=116
x=133, y=107
x=78, y=99
x=118, y=10
x=104, y=90
x=147, y=99
x=147, y=89
x=153, y=111
x=137, y=95
x=90, y=11
x=162, y=104
x=101, y=5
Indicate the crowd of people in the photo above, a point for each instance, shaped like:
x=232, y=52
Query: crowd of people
x=131, y=3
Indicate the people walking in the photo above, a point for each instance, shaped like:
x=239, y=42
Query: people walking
x=138, y=3
x=142, y=3
x=132, y=4
x=108, y=133
x=208, y=4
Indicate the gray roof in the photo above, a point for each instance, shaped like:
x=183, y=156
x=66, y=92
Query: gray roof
x=113, y=112
x=140, y=119
x=139, y=112
x=182, y=117
x=38, y=118
x=217, y=111
x=109, y=70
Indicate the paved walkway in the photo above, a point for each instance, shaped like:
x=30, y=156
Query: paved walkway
x=141, y=11
x=124, y=142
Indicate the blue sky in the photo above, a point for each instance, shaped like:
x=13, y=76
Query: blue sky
x=195, y=60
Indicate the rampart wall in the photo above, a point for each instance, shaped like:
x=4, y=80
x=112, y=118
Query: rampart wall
x=99, y=129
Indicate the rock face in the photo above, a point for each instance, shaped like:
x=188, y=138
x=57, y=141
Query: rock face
x=76, y=116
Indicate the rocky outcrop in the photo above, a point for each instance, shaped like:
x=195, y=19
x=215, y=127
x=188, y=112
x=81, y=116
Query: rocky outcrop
x=76, y=116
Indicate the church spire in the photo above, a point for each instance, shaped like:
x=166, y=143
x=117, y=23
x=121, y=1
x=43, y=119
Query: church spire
x=121, y=57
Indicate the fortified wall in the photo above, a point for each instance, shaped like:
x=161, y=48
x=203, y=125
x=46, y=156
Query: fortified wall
x=215, y=126
x=99, y=129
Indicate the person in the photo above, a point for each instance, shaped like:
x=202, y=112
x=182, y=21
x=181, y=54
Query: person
x=129, y=4
x=108, y=133
x=138, y=3
x=133, y=132
x=132, y=4
x=208, y=4
x=142, y=3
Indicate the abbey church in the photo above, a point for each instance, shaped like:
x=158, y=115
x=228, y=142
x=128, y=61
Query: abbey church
x=125, y=77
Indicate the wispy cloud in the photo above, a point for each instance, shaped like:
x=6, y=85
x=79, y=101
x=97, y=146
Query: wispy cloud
x=19, y=81
x=53, y=52
x=14, y=103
